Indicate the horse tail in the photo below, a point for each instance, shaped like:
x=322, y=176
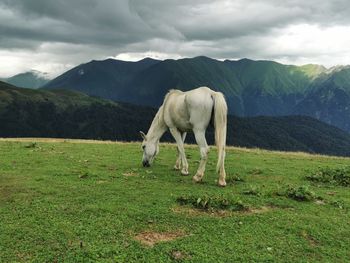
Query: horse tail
x=220, y=124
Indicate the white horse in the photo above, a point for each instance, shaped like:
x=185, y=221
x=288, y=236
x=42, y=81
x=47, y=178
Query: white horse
x=185, y=111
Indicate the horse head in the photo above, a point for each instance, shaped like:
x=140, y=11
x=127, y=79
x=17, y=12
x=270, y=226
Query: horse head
x=150, y=149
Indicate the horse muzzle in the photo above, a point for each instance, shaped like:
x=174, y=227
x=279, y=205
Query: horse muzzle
x=146, y=164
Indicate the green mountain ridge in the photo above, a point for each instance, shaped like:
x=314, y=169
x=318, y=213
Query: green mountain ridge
x=62, y=99
x=329, y=99
x=252, y=88
x=238, y=80
x=72, y=114
x=32, y=79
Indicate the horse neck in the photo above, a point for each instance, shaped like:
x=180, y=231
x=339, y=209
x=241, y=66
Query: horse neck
x=158, y=126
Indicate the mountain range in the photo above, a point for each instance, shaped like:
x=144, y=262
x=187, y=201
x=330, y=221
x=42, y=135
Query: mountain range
x=71, y=114
x=31, y=79
x=252, y=88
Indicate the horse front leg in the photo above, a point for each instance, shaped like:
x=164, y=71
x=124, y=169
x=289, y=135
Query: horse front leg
x=178, y=163
x=204, y=150
x=181, y=150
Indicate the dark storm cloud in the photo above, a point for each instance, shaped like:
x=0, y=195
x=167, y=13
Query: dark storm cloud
x=118, y=23
x=225, y=19
x=90, y=22
x=221, y=29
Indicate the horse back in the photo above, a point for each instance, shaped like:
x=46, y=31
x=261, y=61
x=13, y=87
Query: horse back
x=188, y=110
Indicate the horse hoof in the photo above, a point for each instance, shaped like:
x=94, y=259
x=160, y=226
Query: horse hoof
x=176, y=168
x=222, y=183
x=197, y=179
x=185, y=173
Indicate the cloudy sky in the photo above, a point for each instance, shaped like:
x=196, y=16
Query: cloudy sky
x=55, y=35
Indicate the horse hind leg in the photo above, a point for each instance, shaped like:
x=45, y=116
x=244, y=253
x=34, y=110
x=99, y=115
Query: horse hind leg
x=178, y=163
x=204, y=149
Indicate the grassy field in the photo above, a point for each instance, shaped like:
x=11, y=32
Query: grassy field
x=72, y=201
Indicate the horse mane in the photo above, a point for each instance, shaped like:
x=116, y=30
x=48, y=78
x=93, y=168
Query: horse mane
x=158, y=120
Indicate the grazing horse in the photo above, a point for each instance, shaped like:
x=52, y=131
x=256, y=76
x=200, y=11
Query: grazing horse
x=189, y=111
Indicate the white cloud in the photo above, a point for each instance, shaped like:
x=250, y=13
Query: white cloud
x=136, y=56
x=306, y=43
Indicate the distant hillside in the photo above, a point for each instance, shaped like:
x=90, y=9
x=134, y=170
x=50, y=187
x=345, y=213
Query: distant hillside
x=32, y=79
x=252, y=88
x=101, y=78
x=329, y=99
x=68, y=114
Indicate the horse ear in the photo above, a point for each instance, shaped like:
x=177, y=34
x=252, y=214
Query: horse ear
x=143, y=135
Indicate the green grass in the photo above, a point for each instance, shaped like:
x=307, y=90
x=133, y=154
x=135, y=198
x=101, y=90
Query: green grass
x=87, y=202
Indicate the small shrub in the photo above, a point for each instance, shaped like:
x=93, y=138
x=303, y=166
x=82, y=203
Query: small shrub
x=338, y=204
x=337, y=176
x=256, y=171
x=233, y=179
x=31, y=145
x=213, y=203
x=253, y=190
x=301, y=193
x=83, y=175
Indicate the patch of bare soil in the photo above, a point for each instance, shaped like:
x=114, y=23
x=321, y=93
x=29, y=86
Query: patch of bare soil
x=198, y=212
x=6, y=192
x=260, y=210
x=128, y=174
x=311, y=240
x=101, y=182
x=179, y=255
x=220, y=213
x=9, y=188
x=150, y=238
x=320, y=202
